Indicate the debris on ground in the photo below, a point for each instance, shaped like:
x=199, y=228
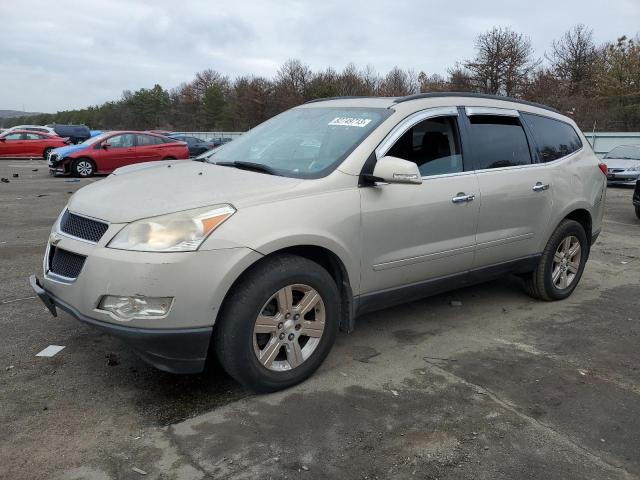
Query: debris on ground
x=10, y=367
x=42, y=195
x=455, y=303
x=137, y=470
x=112, y=360
x=15, y=175
x=50, y=351
x=34, y=170
x=4, y=180
x=72, y=180
x=395, y=393
x=305, y=468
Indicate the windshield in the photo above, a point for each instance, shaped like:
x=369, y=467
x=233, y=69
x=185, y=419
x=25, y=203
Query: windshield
x=303, y=142
x=625, y=152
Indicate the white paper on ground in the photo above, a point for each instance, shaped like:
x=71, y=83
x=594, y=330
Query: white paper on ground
x=50, y=351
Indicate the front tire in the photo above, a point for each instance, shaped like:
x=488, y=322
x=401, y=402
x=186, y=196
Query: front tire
x=83, y=168
x=561, y=265
x=278, y=323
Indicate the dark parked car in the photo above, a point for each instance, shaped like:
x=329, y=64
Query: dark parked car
x=75, y=133
x=217, y=141
x=636, y=198
x=196, y=146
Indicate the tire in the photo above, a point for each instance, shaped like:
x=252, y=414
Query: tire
x=46, y=152
x=238, y=345
x=637, y=211
x=83, y=168
x=541, y=283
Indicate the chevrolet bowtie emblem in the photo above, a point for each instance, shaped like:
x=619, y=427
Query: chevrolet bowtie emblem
x=54, y=239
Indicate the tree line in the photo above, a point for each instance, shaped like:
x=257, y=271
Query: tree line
x=597, y=85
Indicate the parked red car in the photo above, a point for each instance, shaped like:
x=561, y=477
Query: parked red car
x=108, y=151
x=26, y=143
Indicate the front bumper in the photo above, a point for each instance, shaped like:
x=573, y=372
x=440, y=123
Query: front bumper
x=622, y=178
x=170, y=350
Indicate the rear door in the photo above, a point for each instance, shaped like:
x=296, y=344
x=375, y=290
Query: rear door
x=148, y=148
x=416, y=234
x=34, y=144
x=516, y=191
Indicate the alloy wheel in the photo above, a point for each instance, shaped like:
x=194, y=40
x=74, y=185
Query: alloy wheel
x=566, y=262
x=289, y=327
x=84, y=168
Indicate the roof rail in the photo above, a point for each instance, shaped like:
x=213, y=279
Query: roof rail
x=346, y=97
x=418, y=96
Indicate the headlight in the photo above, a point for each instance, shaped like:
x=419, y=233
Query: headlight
x=176, y=232
x=634, y=169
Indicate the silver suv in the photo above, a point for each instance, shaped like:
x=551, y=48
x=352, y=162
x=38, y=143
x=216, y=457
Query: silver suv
x=329, y=210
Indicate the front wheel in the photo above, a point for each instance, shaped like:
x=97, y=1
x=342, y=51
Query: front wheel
x=278, y=324
x=83, y=167
x=561, y=265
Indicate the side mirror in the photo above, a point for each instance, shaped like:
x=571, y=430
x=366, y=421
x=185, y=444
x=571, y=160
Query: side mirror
x=396, y=170
x=106, y=145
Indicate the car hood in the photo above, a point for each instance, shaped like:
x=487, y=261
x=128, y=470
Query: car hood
x=144, y=166
x=68, y=150
x=620, y=163
x=173, y=187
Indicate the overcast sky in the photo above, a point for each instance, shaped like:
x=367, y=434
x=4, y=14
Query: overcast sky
x=62, y=54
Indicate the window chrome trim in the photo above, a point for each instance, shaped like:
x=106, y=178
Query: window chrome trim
x=503, y=112
x=409, y=122
x=529, y=165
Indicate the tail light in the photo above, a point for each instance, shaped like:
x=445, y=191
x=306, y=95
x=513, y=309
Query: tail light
x=603, y=167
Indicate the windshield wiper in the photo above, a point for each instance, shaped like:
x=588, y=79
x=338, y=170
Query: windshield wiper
x=257, y=167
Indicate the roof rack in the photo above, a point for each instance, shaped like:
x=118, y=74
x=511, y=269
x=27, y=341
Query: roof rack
x=418, y=96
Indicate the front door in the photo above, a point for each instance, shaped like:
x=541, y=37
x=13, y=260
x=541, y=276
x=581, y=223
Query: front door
x=414, y=234
x=13, y=145
x=116, y=151
x=516, y=191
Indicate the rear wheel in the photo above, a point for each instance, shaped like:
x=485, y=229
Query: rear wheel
x=46, y=152
x=278, y=324
x=83, y=167
x=638, y=212
x=561, y=265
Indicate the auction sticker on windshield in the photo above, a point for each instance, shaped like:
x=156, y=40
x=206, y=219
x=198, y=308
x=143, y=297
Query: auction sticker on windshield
x=350, y=122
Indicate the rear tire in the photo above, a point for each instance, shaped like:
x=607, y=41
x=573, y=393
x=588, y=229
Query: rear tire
x=638, y=212
x=261, y=336
x=46, y=152
x=561, y=265
x=83, y=168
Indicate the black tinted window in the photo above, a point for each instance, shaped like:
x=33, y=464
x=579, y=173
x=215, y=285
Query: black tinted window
x=498, y=141
x=433, y=145
x=146, y=140
x=554, y=139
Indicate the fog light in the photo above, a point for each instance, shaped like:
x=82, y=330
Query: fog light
x=126, y=308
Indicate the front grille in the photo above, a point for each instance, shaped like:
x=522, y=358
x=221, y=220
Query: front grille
x=616, y=170
x=64, y=263
x=82, y=227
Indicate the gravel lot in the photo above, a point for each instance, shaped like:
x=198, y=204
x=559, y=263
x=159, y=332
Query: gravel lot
x=500, y=387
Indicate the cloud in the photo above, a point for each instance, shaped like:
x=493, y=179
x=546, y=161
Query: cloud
x=68, y=54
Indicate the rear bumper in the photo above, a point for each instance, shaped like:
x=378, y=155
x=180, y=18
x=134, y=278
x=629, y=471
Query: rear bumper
x=170, y=350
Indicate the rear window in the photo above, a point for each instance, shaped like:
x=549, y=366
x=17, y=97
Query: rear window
x=498, y=141
x=554, y=139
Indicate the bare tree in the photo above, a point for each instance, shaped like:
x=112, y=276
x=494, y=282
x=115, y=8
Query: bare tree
x=574, y=57
x=503, y=62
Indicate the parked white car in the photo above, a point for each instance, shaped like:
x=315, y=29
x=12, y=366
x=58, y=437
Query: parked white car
x=623, y=165
x=34, y=128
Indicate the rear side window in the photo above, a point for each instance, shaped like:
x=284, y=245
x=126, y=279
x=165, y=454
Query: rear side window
x=146, y=140
x=554, y=139
x=498, y=141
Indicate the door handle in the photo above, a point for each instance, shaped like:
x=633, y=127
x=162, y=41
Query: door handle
x=463, y=197
x=540, y=187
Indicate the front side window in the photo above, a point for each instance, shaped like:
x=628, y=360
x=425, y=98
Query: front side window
x=13, y=136
x=498, y=141
x=304, y=142
x=433, y=145
x=122, y=141
x=554, y=139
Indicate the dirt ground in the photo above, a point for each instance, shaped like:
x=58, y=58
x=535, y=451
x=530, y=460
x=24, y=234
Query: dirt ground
x=501, y=387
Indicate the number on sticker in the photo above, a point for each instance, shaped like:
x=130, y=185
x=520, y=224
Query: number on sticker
x=350, y=122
